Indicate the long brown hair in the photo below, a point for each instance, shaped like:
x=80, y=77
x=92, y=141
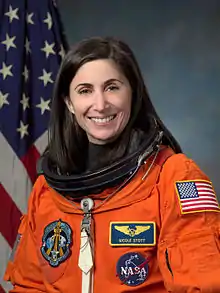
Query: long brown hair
x=68, y=143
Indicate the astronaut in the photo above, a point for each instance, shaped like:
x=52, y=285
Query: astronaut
x=127, y=210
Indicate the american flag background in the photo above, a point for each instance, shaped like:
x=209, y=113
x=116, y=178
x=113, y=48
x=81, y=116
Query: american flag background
x=32, y=45
x=197, y=196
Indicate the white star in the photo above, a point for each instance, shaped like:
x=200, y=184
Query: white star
x=6, y=70
x=12, y=14
x=23, y=129
x=9, y=42
x=62, y=52
x=48, y=49
x=3, y=99
x=29, y=18
x=44, y=105
x=25, y=102
x=46, y=77
x=48, y=20
x=25, y=73
x=27, y=46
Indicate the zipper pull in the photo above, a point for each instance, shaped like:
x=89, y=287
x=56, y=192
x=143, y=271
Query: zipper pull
x=86, y=206
x=86, y=247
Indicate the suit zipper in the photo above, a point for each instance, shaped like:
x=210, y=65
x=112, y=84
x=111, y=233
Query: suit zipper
x=168, y=262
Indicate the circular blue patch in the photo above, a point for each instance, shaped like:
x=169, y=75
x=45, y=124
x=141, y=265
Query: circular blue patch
x=132, y=269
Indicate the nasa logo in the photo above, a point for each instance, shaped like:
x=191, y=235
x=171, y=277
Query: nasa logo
x=132, y=269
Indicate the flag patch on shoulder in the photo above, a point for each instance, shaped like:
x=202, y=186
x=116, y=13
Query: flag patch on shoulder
x=196, y=196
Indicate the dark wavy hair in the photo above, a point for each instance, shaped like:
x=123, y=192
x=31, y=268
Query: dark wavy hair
x=68, y=143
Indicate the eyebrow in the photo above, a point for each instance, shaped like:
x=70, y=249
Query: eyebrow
x=105, y=83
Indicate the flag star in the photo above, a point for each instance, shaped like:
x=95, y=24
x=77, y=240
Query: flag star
x=27, y=46
x=25, y=102
x=44, y=105
x=62, y=52
x=3, y=99
x=6, y=70
x=25, y=73
x=29, y=18
x=46, y=77
x=48, y=49
x=9, y=42
x=23, y=129
x=48, y=20
x=12, y=14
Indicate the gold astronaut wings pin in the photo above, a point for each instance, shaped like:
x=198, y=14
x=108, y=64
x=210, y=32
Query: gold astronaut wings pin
x=132, y=231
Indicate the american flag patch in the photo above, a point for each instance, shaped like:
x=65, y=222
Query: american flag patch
x=196, y=196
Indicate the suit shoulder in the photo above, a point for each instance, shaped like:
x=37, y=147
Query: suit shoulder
x=38, y=190
x=181, y=167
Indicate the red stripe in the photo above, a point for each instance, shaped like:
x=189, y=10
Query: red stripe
x=193, y=209
x=29, y=161
x=201, y=205
x=195, y=201
x=9, y=217
x=204, y=184
x=1, y=289
x=207, y=190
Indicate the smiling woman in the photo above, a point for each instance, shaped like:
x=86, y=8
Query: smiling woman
x=118, y=207
x=99, y=99
x=101, y=102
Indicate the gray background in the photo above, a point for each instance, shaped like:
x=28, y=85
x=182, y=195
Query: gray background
x=177, y=43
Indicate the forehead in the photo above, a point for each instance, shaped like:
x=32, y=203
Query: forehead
x=98, y=71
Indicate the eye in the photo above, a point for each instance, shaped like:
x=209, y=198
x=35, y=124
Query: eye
x=112, y=88
x=84, y=91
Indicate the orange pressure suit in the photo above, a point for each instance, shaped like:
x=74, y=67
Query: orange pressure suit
x=149, y=237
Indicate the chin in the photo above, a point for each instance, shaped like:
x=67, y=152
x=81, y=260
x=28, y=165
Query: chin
x=101, y=139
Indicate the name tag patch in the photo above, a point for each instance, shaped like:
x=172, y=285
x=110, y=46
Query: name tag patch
x=132, y=234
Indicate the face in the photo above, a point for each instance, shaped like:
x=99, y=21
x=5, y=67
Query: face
x=100, y=98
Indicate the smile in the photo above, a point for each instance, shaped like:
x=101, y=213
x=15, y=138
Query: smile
x=103, y=120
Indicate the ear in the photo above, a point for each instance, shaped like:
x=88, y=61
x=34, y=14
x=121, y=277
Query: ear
x=69, y=105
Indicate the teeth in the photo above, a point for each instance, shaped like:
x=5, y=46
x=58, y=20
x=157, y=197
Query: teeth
x=103, y=120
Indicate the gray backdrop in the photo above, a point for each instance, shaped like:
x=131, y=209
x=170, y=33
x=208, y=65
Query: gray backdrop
x=177, y=43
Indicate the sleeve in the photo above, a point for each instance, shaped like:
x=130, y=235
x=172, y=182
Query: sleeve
x=189, y=241
x=23, y=269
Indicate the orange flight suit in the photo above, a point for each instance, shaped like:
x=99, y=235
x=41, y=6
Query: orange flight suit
x=183, y=257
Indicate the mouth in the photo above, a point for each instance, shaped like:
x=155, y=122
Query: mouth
x=106, y=119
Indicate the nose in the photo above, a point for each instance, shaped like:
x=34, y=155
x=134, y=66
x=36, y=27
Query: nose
x=100, y=101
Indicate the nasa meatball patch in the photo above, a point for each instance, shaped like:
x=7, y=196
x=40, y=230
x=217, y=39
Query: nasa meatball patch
x=132, y=269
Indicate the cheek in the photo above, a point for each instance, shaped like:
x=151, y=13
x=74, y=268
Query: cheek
x=80, y=119
x=79, y=107
x=79, y=115
x=78, y=110
x=126, y=106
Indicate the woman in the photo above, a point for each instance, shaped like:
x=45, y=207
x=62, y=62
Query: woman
x=118, y=207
